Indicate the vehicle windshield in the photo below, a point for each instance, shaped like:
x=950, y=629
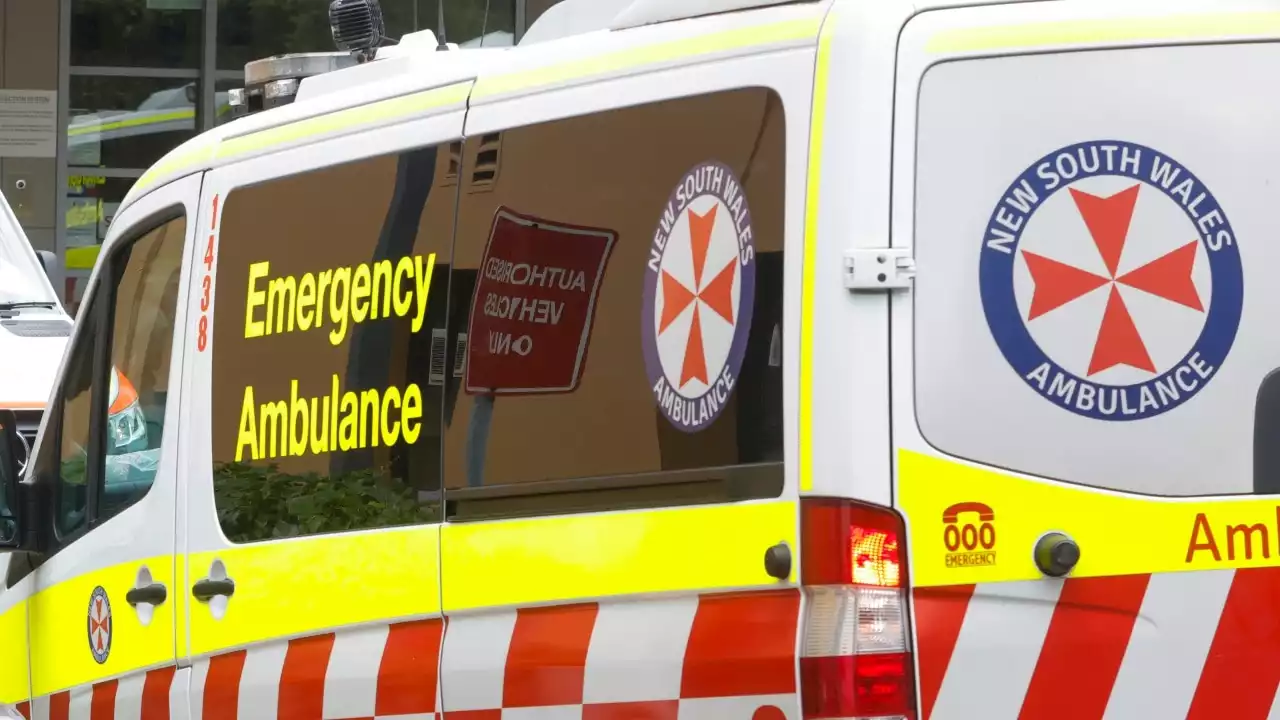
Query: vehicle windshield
x=22, y=279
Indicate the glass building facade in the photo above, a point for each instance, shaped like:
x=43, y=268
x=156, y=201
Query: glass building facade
x=135, y=78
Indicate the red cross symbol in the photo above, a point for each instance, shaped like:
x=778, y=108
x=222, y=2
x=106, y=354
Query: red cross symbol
x=716, y=295
x=99, y=629
x=1167, y=277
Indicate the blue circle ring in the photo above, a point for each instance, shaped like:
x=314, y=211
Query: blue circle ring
x=1004, y=318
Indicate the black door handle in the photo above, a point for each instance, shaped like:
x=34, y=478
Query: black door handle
x=152, y=594
x=206, y=589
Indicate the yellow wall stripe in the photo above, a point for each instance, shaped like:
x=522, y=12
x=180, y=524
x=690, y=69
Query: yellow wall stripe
x=308, y=585
x=809, y=274
x=583, y=557
x=703, y=44
x=83, y=258
x=13, y=654
x=1076, y=32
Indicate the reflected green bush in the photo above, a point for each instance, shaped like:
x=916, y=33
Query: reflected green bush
x=260, y=502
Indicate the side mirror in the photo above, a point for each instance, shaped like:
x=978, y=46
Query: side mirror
x=11, y=455
x=47, y=260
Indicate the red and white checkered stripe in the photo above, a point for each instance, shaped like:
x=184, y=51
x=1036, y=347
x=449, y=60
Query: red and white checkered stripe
x=1171, y=645
x=678, y=658
x=144, y=696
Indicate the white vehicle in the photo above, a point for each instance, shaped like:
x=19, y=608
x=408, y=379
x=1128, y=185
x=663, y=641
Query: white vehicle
x=689, y=359
x=34, y=327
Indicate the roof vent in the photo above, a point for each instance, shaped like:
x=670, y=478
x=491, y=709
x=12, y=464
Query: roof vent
x=357, y=25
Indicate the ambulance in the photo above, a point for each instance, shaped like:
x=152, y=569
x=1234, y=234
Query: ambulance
x=686, y=359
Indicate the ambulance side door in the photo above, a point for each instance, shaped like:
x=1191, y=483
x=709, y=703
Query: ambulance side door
x=312, y=524
x=619, y=454
x=103, y=627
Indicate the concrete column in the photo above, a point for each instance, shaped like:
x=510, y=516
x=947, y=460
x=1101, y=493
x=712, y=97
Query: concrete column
x=29, y=61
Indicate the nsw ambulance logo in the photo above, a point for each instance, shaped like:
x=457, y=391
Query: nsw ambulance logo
x=99, y=625
x=1111, y=280
x=698, y=292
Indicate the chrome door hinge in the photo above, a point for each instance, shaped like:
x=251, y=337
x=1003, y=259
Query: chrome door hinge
x=878, y=269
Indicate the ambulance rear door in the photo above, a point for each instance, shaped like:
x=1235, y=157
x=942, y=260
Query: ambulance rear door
x=1082, y=368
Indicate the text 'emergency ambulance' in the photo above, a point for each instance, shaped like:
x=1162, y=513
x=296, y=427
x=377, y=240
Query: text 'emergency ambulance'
x=368, y=291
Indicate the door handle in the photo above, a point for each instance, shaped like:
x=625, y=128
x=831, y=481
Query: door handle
x=207, y=589
x=152, y=594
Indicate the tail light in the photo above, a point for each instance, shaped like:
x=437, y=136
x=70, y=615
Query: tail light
x=855, y=655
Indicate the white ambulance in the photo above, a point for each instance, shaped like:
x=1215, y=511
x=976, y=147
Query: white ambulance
x=688, y=359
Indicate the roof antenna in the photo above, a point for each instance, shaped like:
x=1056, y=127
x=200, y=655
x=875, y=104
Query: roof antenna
x=444, y=45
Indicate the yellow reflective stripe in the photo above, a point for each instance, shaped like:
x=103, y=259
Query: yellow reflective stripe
x=309, y=585
x=83, y=258
x=809, y=274
x=1118, y=533
x=60, y=654
x=132, y=122
x=381, y=111
x=724, y=41
x=13, y=654
x=562, y=559
x=1075, y=32
x=191, y=159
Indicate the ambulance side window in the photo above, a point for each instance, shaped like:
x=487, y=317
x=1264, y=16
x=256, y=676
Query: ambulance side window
x=616, y=311
x=328, y=355
x=104, y=453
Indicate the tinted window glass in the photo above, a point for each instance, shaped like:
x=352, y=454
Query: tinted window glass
x=328, y=348
x=140, y=289
x=146, y=299
x=605, y=334
x=75, y=411
x=617, y=288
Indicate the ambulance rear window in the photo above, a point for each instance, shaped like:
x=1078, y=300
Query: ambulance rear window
x=600, y=327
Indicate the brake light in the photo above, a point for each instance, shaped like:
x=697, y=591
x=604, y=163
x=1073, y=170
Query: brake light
x=855, y=659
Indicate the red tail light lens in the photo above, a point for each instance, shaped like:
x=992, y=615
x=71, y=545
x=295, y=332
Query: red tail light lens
x=847, y=544
x=855, y=653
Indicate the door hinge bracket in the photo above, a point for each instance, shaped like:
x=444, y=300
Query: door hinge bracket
x=870, y=269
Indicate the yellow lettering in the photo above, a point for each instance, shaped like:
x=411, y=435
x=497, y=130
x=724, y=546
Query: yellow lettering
x=248, y=434
x=1202, y=523
x=369, y=402
x=257, y=271
x=319, y=443
x=404, y=269
x=424, y=288
x=390, y=433
x=275, y=419
x=347, y=431
x=306, y=299
x=297, y=409
x=360, y=293
x=322, y=282
x=281, y=293
x=411, y=414
x=1247, y=531
x=381, y=280
x=338, y=307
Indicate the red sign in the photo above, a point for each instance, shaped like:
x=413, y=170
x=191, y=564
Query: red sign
x=534, y=302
